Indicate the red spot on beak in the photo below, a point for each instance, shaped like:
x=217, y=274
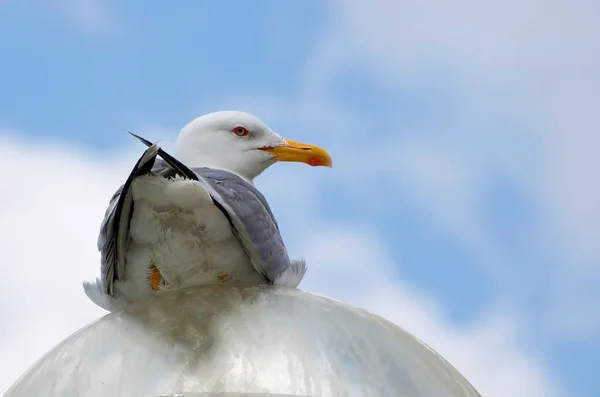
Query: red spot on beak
x=315, y=161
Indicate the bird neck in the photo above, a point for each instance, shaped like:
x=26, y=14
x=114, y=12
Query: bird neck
x=246, y=178
x=226, y=161
x=196, y=163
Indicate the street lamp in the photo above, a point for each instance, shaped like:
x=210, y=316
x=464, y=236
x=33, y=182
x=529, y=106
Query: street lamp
x=242, y=341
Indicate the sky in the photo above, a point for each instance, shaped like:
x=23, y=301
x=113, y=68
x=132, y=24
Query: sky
x=464, y=201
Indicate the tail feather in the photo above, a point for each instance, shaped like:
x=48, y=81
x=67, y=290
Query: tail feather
x=293, y=275
x=96, y=291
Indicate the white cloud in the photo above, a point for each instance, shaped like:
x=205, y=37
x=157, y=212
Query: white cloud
x=495, y=41
x=50, y=212
x=532, y=62
x=58, y=195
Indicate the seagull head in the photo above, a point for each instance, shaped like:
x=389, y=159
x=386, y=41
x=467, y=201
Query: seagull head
x=240, y=143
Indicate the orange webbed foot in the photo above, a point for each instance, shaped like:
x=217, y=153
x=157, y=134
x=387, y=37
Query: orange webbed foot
x=155, y=278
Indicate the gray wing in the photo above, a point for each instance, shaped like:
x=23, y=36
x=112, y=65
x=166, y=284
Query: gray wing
x=252, y=221
x=114, y=229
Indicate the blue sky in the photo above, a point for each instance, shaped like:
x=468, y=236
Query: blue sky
x=462, y=140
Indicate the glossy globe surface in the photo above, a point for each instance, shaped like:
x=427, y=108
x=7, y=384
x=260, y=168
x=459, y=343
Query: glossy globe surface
x=236, y=341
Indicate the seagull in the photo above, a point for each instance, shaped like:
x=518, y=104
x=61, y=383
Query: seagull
x=195, y=218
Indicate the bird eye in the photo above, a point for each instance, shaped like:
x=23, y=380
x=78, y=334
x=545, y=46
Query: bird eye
x=240, y=131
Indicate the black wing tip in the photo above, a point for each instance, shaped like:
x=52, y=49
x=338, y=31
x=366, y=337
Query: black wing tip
x=170, y=160
x=139, y=138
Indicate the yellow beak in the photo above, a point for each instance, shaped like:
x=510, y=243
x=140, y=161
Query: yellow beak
x=300, y=152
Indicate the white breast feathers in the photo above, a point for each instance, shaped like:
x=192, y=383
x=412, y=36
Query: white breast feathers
x=176, y=228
